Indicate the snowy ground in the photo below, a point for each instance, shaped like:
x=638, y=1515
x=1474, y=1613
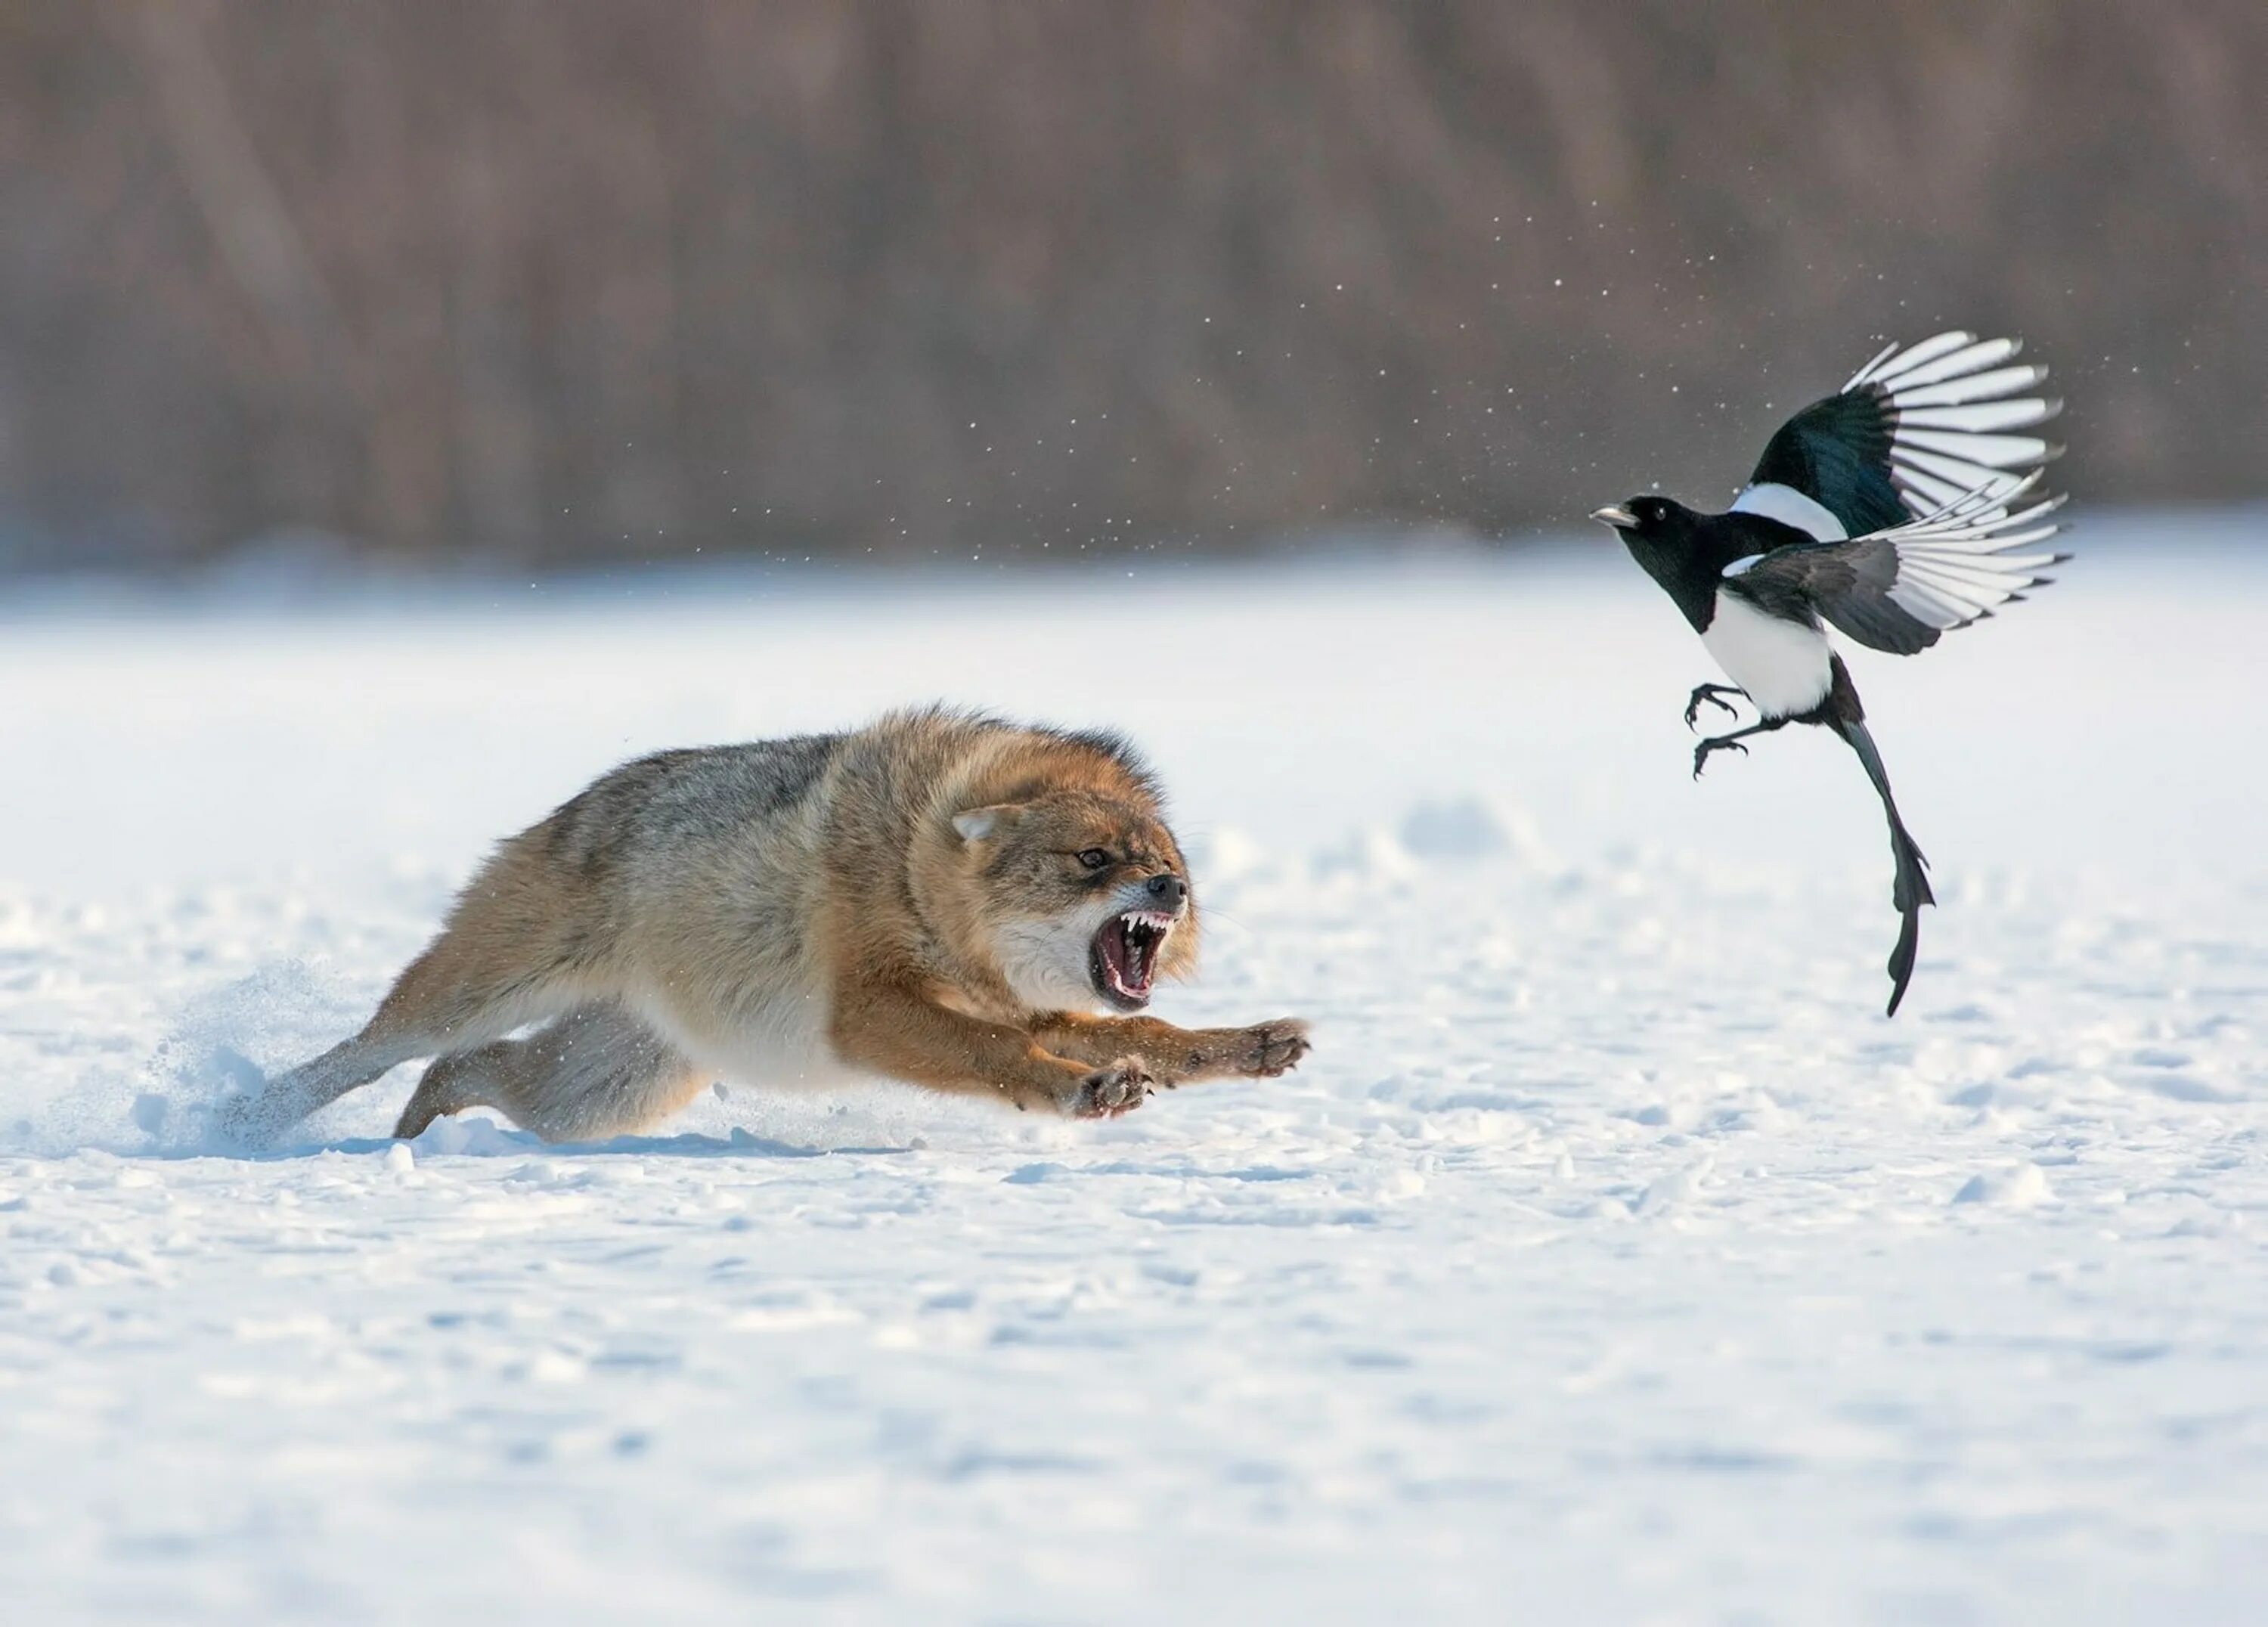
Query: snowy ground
x=1612, y=1259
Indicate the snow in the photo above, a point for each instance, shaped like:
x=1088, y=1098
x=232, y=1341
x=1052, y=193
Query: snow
x=1612, y=1258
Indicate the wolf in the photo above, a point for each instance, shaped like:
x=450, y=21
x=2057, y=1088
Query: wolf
x=942, y=898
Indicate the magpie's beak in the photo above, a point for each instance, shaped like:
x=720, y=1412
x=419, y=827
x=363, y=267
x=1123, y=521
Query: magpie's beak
x=1616, y=515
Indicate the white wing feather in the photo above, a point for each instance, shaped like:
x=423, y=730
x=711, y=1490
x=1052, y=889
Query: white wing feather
x=1962, y=559
x=1953, y=400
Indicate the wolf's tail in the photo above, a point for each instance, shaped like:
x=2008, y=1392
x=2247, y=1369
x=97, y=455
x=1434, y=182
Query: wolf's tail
x=1909, y=886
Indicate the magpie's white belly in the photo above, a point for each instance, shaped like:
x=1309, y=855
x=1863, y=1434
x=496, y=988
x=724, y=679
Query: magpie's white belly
x=1781, y=664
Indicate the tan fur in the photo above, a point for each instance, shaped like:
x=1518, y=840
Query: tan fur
x=906, y=900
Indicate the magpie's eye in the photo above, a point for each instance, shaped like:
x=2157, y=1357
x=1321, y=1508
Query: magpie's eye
x=1094, y=858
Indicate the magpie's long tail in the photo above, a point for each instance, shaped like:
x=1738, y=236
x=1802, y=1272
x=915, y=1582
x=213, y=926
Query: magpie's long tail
x=1910, y=887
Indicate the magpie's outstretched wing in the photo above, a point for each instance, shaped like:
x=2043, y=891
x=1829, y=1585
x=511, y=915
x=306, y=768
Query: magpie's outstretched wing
x=1915, y=429
x=1898, y=588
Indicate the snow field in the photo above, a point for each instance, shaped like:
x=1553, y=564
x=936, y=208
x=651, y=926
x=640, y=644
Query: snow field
x=1611, y=1258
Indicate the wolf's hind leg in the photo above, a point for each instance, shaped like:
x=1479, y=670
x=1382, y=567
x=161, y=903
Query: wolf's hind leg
x=450, y=1084
x=597, y=1071
x=463, y=991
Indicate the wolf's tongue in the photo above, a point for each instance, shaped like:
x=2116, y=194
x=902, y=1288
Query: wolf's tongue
x=1118, y=954
x=1127, y=952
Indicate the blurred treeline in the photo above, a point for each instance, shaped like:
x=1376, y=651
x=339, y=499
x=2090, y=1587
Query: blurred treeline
x=564, y=280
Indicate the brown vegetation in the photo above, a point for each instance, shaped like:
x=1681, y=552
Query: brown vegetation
x=564, y=279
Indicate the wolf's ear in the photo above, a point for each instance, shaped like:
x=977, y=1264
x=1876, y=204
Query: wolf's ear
x=978, y=823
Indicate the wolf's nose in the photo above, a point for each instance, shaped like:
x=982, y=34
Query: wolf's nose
x=1168, y=889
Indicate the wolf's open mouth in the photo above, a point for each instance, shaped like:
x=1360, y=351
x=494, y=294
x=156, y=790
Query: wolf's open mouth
x=1126, y=955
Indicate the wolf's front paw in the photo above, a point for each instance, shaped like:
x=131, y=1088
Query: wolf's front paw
x=1271, y=1048
x=1111, y=1091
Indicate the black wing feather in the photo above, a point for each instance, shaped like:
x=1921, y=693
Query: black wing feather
x=1837, y=452
x=1898, y=589
x=1915, y=430
x=1847, y=583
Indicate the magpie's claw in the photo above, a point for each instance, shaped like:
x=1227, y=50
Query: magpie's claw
x=1701, y=752
x=1710, y=694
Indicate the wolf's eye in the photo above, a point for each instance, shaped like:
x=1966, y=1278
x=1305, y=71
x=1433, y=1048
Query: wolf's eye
x=1094, y=858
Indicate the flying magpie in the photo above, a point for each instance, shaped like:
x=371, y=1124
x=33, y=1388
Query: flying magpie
x=1899, y=508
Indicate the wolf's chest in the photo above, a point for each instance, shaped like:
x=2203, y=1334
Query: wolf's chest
x=777, y=1040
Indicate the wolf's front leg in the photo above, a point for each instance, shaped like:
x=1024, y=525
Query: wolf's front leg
x=893, y=1030
x=1179, y=1056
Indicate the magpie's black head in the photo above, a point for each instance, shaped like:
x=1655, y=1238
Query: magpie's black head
x=1659, y=520
x=1682, y=551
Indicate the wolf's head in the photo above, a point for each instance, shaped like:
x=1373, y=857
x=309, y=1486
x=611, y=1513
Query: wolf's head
x=1081, y=894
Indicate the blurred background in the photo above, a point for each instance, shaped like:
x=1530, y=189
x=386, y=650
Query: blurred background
x=566, y=283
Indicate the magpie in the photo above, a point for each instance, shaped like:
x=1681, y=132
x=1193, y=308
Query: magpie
x=1901, y=507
